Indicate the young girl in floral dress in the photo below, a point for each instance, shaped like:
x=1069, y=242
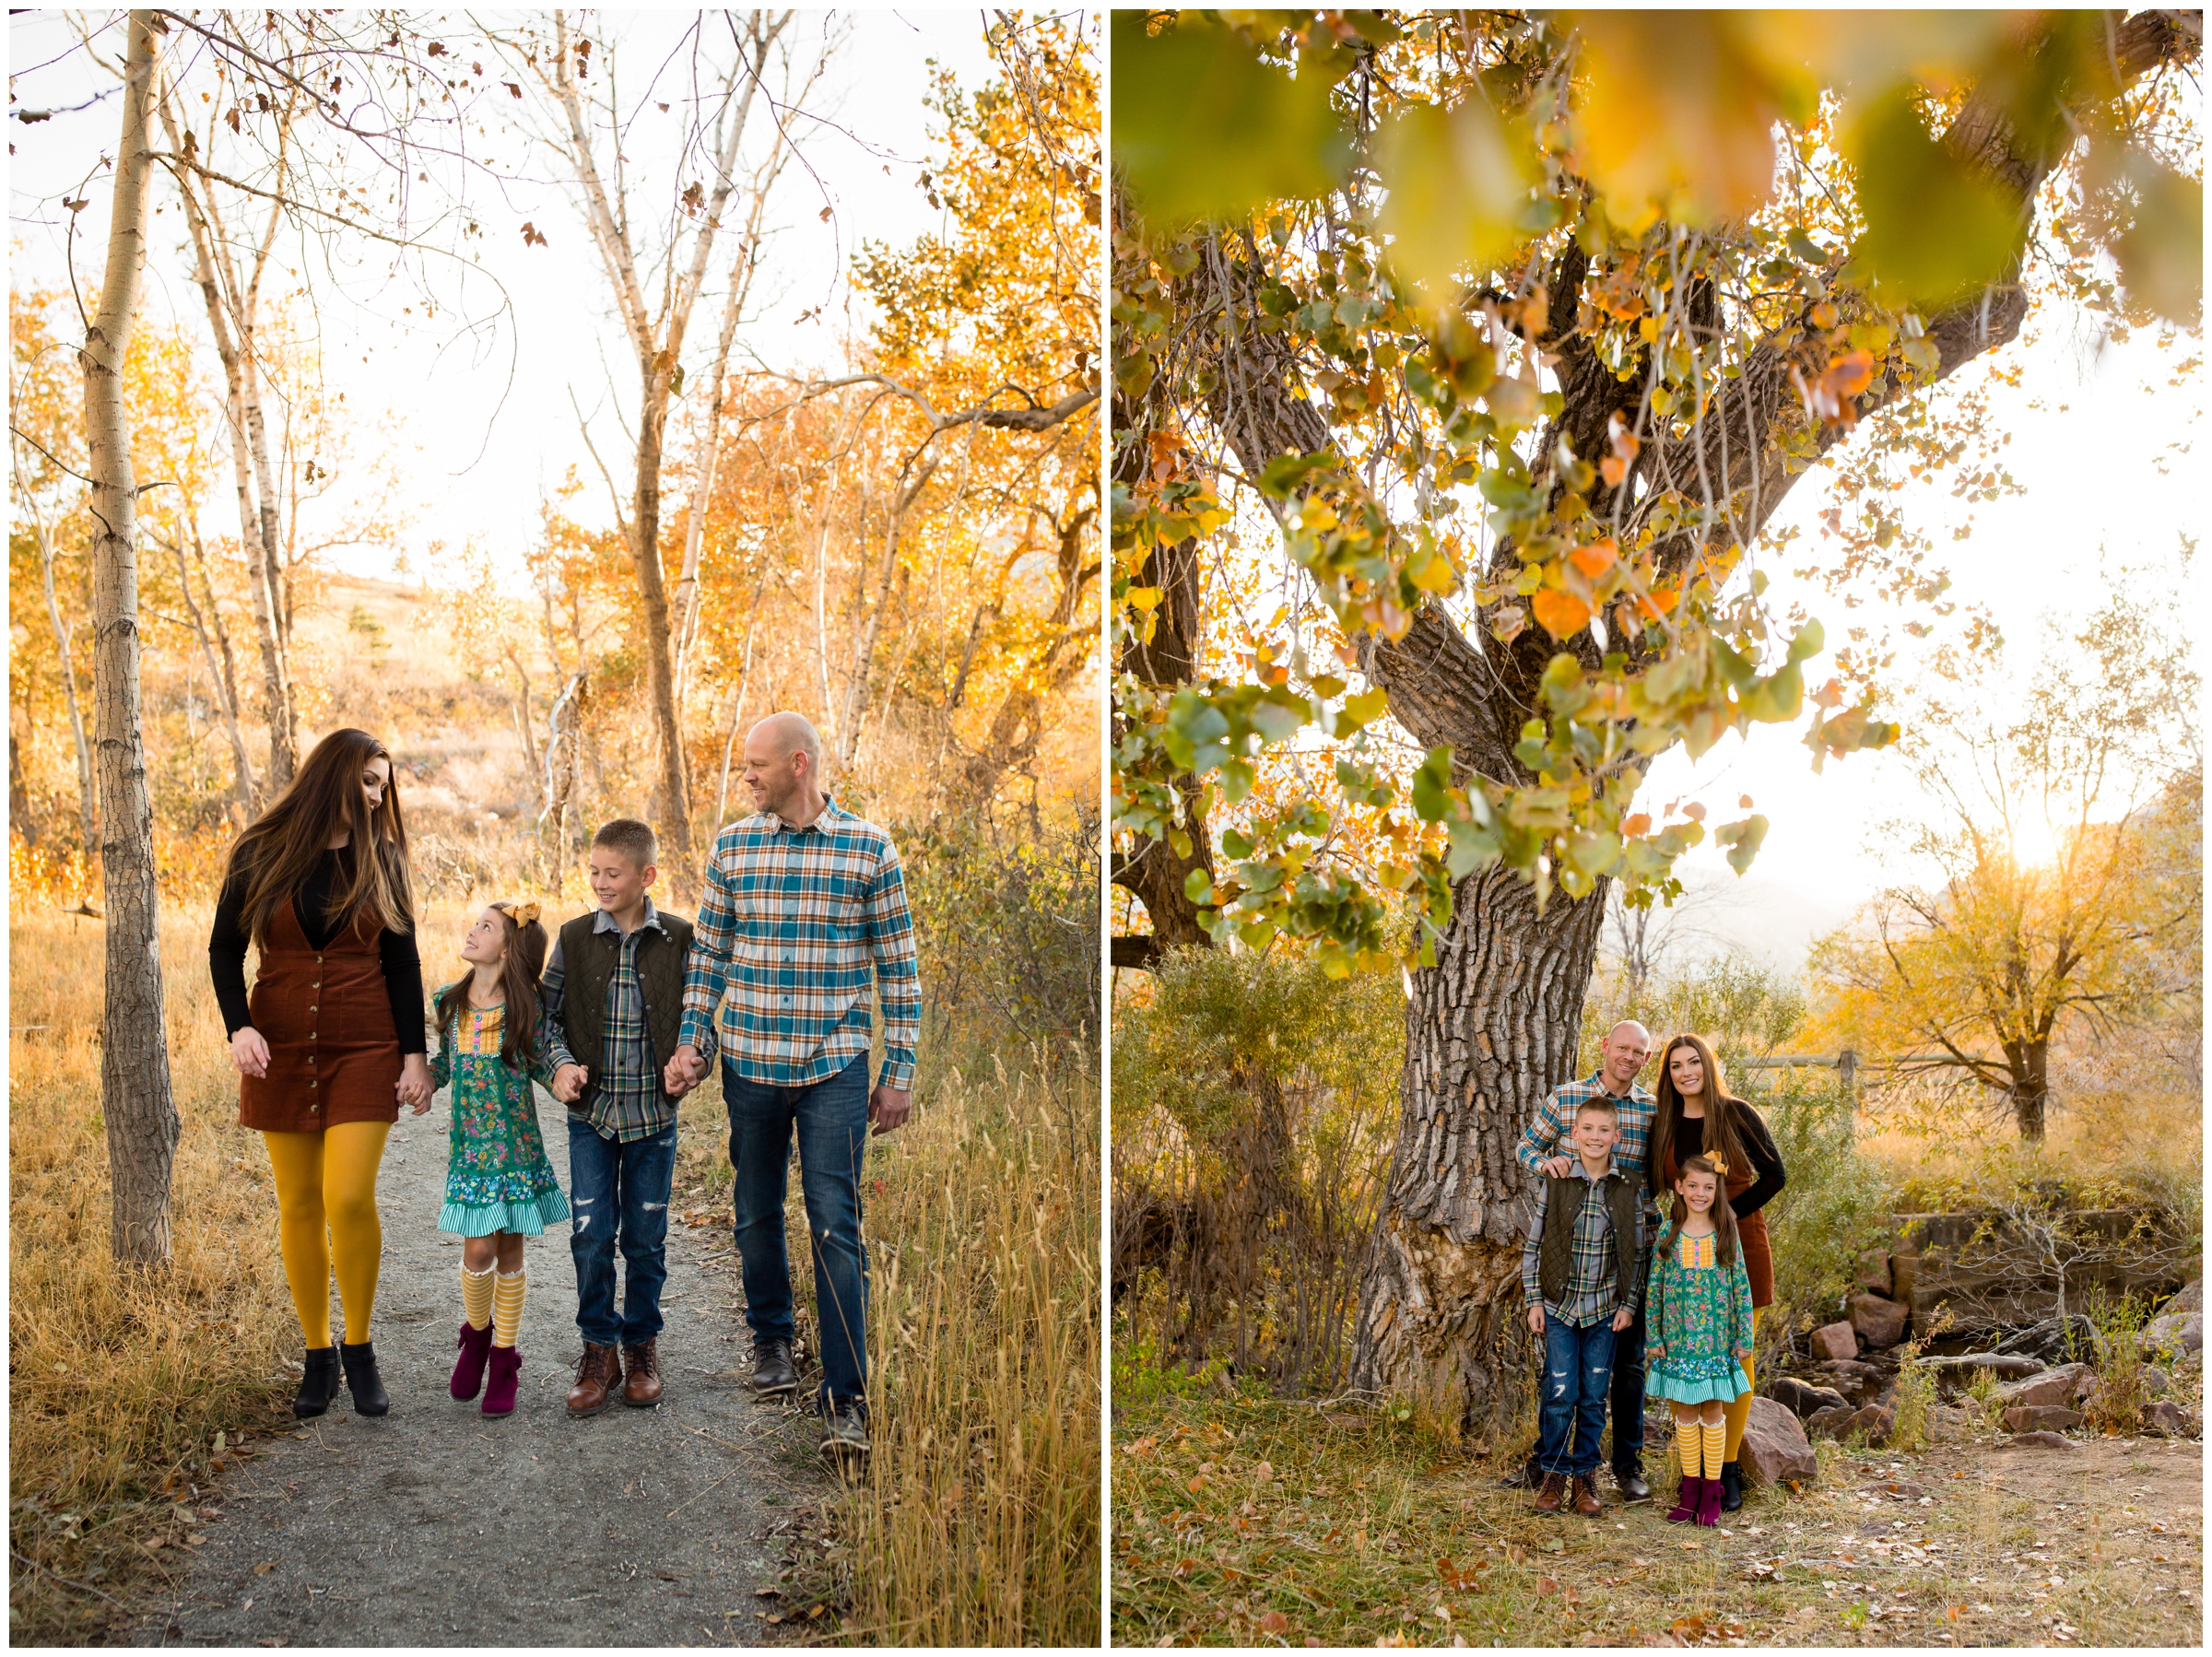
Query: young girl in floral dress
x=1697, y=1309
x=499, y=1186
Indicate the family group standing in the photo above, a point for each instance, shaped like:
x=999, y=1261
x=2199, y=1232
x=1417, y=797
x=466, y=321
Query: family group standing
x=803, y=927
x=1626, y=1305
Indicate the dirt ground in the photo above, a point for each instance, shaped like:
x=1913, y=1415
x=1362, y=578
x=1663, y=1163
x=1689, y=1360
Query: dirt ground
x=1272, y=1523
x=434, y=1525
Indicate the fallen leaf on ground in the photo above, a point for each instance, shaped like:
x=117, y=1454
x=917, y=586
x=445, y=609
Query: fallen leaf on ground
x=266, y=1567
x=1275, y=1622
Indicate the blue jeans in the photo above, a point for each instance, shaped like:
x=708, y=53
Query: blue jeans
x=830, y=1119
x=1578, y=1373
x=619, y=1191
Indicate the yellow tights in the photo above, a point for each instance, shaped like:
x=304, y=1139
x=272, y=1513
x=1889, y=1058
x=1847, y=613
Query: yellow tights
x=1739, y=1412
x=327, y=1215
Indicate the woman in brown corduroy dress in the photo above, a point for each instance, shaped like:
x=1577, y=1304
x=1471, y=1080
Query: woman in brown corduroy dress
x=1694, y=1114
x=330, y=1040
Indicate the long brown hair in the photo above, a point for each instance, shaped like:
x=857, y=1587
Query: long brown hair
x=527, y=944
x=1723, y=1216
x=281, y=847
x=1721, y=1138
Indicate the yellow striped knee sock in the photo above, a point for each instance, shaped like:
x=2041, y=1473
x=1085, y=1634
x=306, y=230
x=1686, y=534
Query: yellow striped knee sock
x=507, y=1309
x=1715, y=1434
x=1687, y=1446
x=475, y=1298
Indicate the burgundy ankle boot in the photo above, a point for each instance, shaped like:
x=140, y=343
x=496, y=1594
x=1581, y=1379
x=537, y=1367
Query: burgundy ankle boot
x=1686, y=1501
x=468, y=1368
x=1709, y=1501
x=506, y=1372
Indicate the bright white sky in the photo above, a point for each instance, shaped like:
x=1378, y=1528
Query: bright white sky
x=484, y=447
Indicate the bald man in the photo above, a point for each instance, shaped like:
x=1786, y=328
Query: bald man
x=1543, y=1149
x=805, y=908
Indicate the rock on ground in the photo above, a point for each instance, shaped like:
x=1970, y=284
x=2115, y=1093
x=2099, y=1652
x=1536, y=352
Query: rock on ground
x=2063, y=1386
x=1874, y=1273
x=2165, y=1419
x=1775, y=1446
x=1956, y=1374
x=2041, y=1418
x=434, y=1525
x=2044, y=1440
x=1802, y=1397
x=1834, y=1341
x=1880, y=1323
x=2180, y=1325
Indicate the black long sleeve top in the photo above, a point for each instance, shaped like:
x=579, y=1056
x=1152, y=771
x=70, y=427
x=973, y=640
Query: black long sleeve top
x=1758, y=1144
x=227, y=943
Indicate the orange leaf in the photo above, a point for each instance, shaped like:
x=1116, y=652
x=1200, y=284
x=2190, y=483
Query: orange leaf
x=1638, y=824
x=1275, y=1622
x=1612, y=469
x=1850, y=374
x=1562, y=614
x=1597, y=558
x=1545, y=1585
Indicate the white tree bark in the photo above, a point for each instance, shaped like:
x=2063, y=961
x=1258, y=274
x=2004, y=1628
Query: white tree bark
x=88, y=807
x=136, y=1098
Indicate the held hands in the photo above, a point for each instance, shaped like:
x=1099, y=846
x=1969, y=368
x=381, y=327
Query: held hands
x=569, y=1083
x=684, y=1072
x=887, y=1109
x=415, y=1085
x=1622, y=1318
x=249, y=1052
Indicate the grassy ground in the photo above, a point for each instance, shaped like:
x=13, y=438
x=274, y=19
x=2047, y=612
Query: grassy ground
x=1249, y=1521
x=129, y=1396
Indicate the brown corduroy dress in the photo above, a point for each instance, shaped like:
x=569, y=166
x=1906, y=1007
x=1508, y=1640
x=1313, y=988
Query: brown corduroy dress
x=326, y=1014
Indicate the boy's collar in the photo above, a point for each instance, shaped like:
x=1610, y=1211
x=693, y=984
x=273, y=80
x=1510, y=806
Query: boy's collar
x=607, y=921
x=1582, y=1167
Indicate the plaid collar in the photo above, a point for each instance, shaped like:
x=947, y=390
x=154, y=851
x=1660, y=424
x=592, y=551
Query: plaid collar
x=830, y=813
x=607, y=921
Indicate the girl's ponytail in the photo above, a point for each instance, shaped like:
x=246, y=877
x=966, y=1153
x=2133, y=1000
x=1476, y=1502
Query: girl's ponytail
x=1723, y=1216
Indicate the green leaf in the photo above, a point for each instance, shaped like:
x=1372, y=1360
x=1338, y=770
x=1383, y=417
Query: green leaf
x=2161, y=253
x=1743, y=841
x=1431, y=786
x=1457, y=182
x=1198, y=887
x=1204, y=130
x=1936, y=229
x=1361, y=710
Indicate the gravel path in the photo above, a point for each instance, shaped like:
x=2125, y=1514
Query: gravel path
x=435, y=1526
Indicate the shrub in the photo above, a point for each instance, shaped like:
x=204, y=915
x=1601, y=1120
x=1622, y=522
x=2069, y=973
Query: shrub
x=1255, y=1105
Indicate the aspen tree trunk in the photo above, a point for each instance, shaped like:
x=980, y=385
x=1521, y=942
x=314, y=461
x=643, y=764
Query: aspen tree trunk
x=136, y=1093
x=213, y=271
x=88, y=807
x=241, y=759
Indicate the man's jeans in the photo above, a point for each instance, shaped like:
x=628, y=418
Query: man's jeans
x=619, y=1190
x=832, y=1121
x=1578, y=1368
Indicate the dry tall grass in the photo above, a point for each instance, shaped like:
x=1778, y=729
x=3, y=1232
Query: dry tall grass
x=978, y=1520
x=119, y=1384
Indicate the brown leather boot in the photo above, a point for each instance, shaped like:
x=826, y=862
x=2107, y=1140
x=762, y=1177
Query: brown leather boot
x=1585, y=1496
x=1553, y=1494
x=597, y=1371
x=641, y=1375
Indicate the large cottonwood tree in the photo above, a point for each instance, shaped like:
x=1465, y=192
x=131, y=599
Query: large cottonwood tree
x=1628, y=277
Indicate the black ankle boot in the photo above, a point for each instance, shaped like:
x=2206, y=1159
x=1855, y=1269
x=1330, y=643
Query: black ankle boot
x=362, y=1380
x=1732, y=1487
x=319, y=1386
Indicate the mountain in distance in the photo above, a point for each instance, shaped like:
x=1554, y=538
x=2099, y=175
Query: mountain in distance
x=1721, y=914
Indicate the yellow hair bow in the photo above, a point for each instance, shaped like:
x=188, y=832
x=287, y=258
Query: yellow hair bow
x=1719, y=1163
x=522, y=915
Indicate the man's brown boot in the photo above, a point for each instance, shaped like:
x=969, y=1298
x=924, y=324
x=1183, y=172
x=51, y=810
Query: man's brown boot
x=596, y=1373
x=641, y=1375
x=1585, y=1496
x=1553, y=1494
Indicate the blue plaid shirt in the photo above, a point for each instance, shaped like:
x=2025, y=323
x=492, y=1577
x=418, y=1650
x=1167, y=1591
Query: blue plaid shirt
x=630, y=1102
x=793, y=925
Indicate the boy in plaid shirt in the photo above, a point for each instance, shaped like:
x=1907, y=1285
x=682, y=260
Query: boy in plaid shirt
x=1581, y=1272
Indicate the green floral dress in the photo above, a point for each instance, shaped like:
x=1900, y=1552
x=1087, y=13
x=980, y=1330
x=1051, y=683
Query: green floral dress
x=1699, y=1315
x=497, y=1177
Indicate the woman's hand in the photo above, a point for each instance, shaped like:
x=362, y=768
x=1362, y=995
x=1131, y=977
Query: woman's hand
x=1742, y=1354
x=249, y=1052
x=415, y=1086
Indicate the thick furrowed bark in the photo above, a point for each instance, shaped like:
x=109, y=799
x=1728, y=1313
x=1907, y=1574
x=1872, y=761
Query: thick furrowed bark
x=135, y=1094
x=1490, y=1029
